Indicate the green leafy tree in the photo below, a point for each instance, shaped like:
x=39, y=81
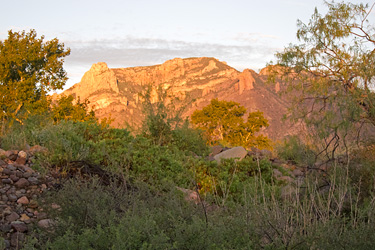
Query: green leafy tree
x=65, y=109
x=223, y=122
x=29, y=68
x=330, y=73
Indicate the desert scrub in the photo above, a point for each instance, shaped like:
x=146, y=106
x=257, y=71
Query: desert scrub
x=294, y=150
x=110, y=217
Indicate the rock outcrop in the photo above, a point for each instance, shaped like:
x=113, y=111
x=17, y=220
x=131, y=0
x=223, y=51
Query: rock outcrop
x=116, y=92
x=20, y=188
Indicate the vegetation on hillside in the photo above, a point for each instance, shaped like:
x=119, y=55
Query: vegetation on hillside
x=133, y=199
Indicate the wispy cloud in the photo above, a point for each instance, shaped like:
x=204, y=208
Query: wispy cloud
x=133, y=51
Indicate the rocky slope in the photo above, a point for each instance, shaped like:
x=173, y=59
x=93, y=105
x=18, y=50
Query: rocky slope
x=195, y=81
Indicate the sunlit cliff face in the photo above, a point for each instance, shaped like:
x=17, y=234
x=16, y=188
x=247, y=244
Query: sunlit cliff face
x=194, y=81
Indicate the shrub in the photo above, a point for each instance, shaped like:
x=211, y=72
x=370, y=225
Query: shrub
x=293, y=149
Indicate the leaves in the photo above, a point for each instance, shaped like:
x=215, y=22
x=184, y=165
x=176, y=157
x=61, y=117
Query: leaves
x=330, y=74
x=223, y=122
x=29, y=69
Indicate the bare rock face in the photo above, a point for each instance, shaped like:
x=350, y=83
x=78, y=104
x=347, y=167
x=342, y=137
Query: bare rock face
x=116, y=92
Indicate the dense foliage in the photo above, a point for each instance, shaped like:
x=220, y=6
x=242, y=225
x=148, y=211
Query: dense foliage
x=223, y=122
x=29, y=68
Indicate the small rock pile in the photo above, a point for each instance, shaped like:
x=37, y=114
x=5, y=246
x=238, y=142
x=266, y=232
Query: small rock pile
x=20, y=186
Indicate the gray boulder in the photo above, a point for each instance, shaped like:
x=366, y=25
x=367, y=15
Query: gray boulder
x=237, y=152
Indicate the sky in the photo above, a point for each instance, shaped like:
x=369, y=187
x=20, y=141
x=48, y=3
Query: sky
x=128, y=33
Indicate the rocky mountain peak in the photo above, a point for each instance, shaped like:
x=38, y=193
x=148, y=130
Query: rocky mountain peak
x=114, y=92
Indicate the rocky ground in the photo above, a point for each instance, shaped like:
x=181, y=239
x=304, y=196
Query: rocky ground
x=20, y=187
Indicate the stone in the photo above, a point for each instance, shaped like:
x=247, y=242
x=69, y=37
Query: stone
x=21, y=183
x=46, y=224
x=6, y=181
x=21, y=160
x=11, y=167
x=216, y=150
x=24, y=217
x=12, y=217
x=22, y=154
x=2, y=163
x=27, y=169
x=40, y=215
x=6, y=171
x=5, y=228
x=237, y=152
x=11, y=154
x=27, y=174
x=14, y=177
x=23, y=200
x=19, y=226
x=12, y=197
x=17, y=239
x=33, y=180
x=4, y=198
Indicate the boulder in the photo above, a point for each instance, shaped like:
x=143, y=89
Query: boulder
x=216, y=150
x=237, y=153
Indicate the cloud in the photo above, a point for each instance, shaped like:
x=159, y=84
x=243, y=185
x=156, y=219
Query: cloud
x=133, y=51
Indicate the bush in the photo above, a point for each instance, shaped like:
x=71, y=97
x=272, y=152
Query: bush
x=190, y=140
x=294, y=150
x=226, y=181
x=107, y=217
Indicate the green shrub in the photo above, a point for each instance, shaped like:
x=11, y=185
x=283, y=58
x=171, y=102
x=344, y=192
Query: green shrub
x=226, y=181
x=190, y=140
x=293, y=149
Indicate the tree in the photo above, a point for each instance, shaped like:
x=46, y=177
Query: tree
x=223, y=122
x=29, y=68
x=64, y=109
x=331, y=72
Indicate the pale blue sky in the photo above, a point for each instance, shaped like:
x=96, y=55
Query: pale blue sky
x=244, y=33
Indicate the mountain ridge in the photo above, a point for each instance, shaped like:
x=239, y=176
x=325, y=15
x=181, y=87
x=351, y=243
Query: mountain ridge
x=115, y=92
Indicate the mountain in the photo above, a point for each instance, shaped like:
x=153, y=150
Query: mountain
x=115, y=92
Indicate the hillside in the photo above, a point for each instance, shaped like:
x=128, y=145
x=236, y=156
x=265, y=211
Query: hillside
x=115, y=92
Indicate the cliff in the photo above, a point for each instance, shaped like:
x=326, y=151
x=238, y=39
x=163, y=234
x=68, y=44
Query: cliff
x=115, y=92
